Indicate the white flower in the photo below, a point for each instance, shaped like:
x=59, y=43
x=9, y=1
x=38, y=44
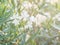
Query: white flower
x=24, y=14
x=32, y=19
x=28, y=25
x=16, y=22
x=16, y=16
x=40, y=18
x=27, y=4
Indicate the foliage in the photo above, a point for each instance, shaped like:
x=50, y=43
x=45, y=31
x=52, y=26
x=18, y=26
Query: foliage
x=29, y=22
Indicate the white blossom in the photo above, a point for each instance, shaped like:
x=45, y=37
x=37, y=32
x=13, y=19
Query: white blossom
x=16, y=16
x=40, y=18
x=27, y=4
x=28, y=25
x=32, y=19
x=24, y=14
x=16, y=22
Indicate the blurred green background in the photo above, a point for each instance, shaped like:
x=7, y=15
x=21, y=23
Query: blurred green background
x=29, y=22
